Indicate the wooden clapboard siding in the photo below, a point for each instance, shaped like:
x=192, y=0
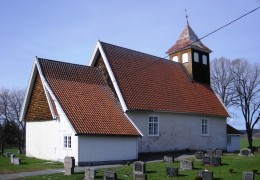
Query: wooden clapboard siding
x=38, y=109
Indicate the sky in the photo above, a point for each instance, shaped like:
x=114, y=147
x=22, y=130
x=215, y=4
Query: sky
x=68, y=30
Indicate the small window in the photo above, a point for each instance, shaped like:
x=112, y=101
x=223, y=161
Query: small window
x=229, y=141
x=205, y=59
x=204, y=127
x=67, y=141
x=153, y=126
x=196, y=57
x=175, y=58
x=185, y=58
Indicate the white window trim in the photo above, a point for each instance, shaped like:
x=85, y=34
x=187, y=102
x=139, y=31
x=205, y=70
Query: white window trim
x=158, y=133
x=207, y=127
x=67, y=135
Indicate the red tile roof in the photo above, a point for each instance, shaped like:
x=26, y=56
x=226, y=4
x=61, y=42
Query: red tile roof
x=186, y=40
x=86, y=99
x=231, y=130
x=155, y=84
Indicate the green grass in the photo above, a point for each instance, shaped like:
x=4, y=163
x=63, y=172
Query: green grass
x=244, y=142
x=156, y=170
x=27, y=164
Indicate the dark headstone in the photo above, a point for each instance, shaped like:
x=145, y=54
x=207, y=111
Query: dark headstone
x=110, y=175
x=206, y=175
x=171, y=171
x=139, y=177
x=219, y=152
x=17, y=161
x=90, y=174
x=199, y=155
x=248, y=176
x=138, y=167
x=205, y=160
x=186, y=164
x=69, y=165
x=168, y=159
x=215, y=161
x=245, y=152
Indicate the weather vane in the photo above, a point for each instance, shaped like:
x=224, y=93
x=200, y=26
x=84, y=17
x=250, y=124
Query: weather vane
x=187, y=17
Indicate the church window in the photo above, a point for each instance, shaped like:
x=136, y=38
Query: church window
x=205, y=59
x=185, y=58
x=204, y=127
x=153, y=126
x=67, y=141
x=175, y=58
x=196, y=57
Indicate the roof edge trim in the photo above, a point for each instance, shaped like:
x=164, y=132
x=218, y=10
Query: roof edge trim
x=139, y=131
x=45, y=83
x=111, y=74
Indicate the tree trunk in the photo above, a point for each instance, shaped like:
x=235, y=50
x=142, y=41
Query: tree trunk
x=249, y=137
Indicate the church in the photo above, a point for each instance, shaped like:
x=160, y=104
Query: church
x=123, y=103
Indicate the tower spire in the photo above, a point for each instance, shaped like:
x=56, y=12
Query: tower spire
x=187, y=17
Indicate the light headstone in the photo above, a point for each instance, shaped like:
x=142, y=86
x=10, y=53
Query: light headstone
x=90, y=174
x=219, y=152
x=17, y=161
x=248, y=175
x=186, y=164
x=199, y=155
x=138, y=167
x=69, y=165
x=168, y=159
x=139, y=177
x=210, y=153
x=12, y=156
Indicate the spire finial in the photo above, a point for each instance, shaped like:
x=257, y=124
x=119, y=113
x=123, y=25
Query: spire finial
x=187, y=17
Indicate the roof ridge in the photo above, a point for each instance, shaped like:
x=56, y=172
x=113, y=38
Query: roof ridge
x=58, y=61
x=134, y=50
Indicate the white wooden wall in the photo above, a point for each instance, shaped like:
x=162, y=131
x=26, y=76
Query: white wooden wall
x=235, y=143
x=107, y=148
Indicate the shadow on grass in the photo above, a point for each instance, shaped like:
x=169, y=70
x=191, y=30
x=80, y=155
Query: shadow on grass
x=224, y=164
x=182, y=175
x=217, y=178
x=197, y=168
x=150, y=172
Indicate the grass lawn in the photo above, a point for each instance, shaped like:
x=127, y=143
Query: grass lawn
x=27, y=164
x=156, y=170
x=244, y=142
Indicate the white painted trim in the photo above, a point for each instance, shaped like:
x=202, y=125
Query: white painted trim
x=94, y=55
x=207, y=120
x=52, y=94
x=113, y=79
x=28, y=91
x=49, y=102
x=134, y=124
x=154, y=135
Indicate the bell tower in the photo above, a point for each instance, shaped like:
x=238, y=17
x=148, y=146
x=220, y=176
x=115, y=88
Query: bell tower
x=193, y=54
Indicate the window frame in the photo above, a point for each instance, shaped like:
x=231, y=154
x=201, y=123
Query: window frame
x=153, y=128
x=175, y=58
x=67, y=141
x=204, y=127
x=184, y=55
x=197, y=55
x=204, y=59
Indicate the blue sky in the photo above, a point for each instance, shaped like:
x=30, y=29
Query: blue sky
x=67, y=31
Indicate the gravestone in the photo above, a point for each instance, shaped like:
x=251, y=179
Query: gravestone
x=139, y=177
x=219, y=152
x=171, y=171
x=12, y=156
x=69, y=165
x=210, y=153
x=168, y=159
x=205, y=160
x=18, y=151
x=245, y=152
x=90, y=174
x=17, y=161
x=206, y=175
x=215, y=161
x=199, y=155
x=186, y=164
x=248, y=175
x=7, y=154
x=110, y=175
x=138, y=167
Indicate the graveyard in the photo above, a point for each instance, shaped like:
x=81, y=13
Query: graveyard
x=214, y=164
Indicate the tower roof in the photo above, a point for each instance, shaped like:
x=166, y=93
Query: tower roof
x=188, y=39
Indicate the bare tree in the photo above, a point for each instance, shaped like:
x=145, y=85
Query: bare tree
x=222, y=79
x=10, y=107
x=247, y=91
